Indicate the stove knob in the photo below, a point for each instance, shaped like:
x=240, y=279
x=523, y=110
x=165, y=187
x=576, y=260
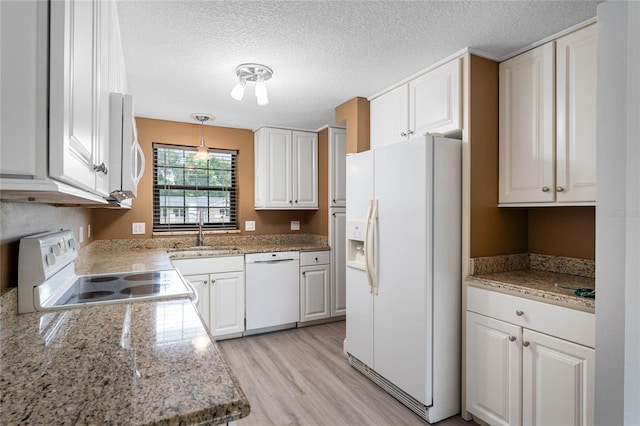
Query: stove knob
x=50, y=258
x=55, y=250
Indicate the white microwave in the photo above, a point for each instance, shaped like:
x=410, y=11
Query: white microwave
x=126, y=157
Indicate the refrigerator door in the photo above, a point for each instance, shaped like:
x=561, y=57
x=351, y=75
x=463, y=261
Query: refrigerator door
x=403, y=315
x=359, y=298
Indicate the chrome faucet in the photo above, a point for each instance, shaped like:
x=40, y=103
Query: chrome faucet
x=200, y=234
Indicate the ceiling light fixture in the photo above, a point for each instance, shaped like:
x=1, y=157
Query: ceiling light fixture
x=252, y=72
x=202, y=153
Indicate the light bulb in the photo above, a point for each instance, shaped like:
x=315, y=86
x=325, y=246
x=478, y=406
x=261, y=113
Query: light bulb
x=261, y=91
x=238, y=91
x=202, y=153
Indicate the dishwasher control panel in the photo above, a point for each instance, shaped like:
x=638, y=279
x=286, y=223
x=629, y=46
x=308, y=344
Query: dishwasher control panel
x=277, y=256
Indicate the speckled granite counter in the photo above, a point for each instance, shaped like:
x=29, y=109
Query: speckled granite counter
x=130, y=363
x=523, y=275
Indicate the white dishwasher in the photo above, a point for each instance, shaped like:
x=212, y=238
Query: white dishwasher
x=272, y=291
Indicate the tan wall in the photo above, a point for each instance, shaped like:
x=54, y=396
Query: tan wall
x=354, y=114
x=18, y=220
x=563, y=231
x=110, y=224
x=319, y=223
x=494, y=231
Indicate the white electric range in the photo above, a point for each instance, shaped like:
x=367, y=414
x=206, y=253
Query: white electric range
x=47, y=278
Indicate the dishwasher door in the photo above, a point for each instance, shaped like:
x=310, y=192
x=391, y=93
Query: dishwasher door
x=272, y=291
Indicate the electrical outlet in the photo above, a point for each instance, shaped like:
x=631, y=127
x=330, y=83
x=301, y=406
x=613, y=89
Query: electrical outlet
x=137, y=228
x=80, y=234
x=88, y=231
x=249, y=225
x=295, y=225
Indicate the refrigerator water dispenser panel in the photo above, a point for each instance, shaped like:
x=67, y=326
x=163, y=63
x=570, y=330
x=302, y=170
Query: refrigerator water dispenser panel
x=355, y=244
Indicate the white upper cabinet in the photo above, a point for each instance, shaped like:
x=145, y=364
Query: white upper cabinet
x=576, y=116
x=434, y=100
x=429, y=103
x=55, y=109
x=527, y=109
x=79, y=94
x=389, y=117
x=547, y=123
x=337, y=167
x=286, y=169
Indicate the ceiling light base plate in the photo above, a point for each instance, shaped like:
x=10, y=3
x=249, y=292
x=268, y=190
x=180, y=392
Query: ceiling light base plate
x=251, y=72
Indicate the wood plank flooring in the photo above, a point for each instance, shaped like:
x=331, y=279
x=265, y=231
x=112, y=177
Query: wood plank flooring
x=302, y=377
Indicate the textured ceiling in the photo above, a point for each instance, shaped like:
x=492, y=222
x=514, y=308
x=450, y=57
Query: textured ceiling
x=181, y=56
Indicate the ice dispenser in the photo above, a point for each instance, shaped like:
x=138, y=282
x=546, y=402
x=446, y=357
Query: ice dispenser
x=355, y=244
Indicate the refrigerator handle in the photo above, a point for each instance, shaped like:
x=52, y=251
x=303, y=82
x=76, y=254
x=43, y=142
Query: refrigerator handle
x=372, y=243
x=367, y=228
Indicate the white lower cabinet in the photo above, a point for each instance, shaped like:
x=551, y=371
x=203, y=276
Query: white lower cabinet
x=315, y=286
x=219, y=282
x=517, y=372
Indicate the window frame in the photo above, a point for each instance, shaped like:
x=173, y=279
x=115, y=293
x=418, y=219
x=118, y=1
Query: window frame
x=186, y=210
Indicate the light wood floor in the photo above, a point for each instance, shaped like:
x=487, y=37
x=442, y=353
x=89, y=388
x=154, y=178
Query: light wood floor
x=302, y=377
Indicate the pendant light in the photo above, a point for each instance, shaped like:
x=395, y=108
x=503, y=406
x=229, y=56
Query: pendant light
x=202, y=152
x=252, y=72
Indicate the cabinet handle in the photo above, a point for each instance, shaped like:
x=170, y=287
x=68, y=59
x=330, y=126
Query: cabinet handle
x=334, y=201
x=410, y=132
x=101, y=168
x=296, y=201
x=525, y=343
x=519, y=313
x=545, y=189
x=559, y=188
x=512, y=338
x=316, y=259
x=290, y=201
x=205, y=282
x=403, y=134
x=213, y=282
x=304, y=272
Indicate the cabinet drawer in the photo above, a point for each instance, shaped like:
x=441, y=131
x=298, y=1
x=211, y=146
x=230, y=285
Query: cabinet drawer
x=209, y=265
x=565, y=323
x=310, y=258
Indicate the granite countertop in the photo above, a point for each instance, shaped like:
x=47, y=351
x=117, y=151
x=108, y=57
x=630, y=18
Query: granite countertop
x=128, y=363
x=544, y=285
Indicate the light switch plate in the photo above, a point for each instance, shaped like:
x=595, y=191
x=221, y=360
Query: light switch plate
x=80, y=234
x=249, y=225
x=88, y=231
x=295, y=225
x=137, y=228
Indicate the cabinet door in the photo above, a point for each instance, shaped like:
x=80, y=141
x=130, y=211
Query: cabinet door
x=314, y=293
x=527, y=110
x=305, y=170
x=201, y=284
x=434, y=100
x=76, y=43
x=337, y=241
x=277, y=163
x=389, y=116
x=576, y=116
x=227, y=304
x=337, y=167
x=117, y=72
x=558, y=381
x=494, y=370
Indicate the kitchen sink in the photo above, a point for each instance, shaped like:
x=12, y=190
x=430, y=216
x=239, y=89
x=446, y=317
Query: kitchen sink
x=201, y=251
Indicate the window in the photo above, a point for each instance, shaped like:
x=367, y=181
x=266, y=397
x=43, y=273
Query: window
x=185, y=188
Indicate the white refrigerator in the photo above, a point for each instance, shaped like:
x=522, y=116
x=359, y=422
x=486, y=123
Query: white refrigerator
x=403, y=273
